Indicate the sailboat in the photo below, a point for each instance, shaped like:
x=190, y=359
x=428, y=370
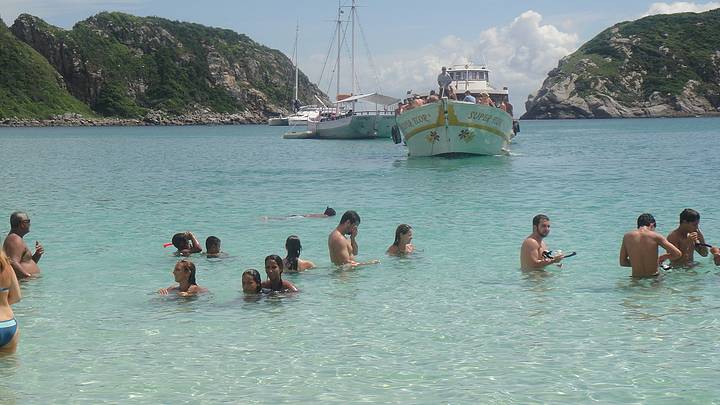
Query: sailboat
x=285, y=121
x=346, y=122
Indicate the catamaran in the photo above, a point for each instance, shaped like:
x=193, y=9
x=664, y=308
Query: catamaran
x=449, y=127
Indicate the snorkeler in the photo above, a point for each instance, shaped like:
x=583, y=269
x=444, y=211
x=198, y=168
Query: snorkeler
x=403, y=241
x=533, y=247
x=212, y=246
x=688, y=238
x=292, y=261
x=184, y=273
x=639, y=248
x=9, y=295
x=274, y=269
x=186, y=243
x=251, y=282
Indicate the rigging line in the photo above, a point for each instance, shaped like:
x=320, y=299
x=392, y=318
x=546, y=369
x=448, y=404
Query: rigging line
x=327, y=56
x=373, y=67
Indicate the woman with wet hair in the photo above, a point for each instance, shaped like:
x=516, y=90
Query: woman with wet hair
x=184, y=273
x=403, y=241
x=274, y=269
x=292, y=261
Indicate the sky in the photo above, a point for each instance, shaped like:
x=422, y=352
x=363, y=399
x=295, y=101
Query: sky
x=400, y=44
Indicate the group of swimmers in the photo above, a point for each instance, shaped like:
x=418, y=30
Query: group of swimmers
x=342, y=248
x=639, y=250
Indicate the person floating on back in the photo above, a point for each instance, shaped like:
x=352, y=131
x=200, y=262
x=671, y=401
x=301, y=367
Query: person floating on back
x=639, y=248
x=292, y=261
x=184, y=273
x=212, y=246
x=22, y=261
x=403, y=241
x=186, y=243
x=329, y=212
x=688, y=238
x=532, y=255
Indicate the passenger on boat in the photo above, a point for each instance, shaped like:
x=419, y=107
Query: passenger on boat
x=432, y=97
x=469, y=97
x=9, y=294
x=444, y=79
x=485, y=100
x=451, y=93
x=417, y=101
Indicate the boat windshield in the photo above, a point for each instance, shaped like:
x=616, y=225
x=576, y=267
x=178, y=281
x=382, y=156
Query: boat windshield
x=471, y=75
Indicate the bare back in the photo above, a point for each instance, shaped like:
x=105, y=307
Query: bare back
x=639, y=250
x=341, y=251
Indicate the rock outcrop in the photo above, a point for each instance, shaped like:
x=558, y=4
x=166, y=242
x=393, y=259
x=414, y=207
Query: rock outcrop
x=658, y=66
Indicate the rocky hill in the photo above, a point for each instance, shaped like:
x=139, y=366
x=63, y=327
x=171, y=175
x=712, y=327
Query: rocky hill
x=125, y=66
x=658, y=66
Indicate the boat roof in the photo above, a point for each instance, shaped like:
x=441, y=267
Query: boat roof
x=469, y=67
x=371, y=98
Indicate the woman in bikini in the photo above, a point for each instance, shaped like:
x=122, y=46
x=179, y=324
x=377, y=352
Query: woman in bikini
x=403, y=241
x=274, y=269
x=292, y=261
x=184, y=273
x=9, y=294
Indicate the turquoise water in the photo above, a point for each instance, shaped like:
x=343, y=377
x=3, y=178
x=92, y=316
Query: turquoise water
x=456, y=323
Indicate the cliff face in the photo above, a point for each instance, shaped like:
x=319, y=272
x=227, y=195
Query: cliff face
x=127, y=66
x=29, y=86
x=658, y=66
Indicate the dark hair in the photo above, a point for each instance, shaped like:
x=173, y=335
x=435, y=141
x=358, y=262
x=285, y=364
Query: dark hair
x=351, y=216
x=329, y=212
x=15, y=219
x=645, y=220
x=293, y=246
x=179, y=240
x=432, y=92
x=402, y=229
x=187, y=265
x=212, y=241
x=256, y=277
x=277, y=259
x=689, y=215
x=539, y=218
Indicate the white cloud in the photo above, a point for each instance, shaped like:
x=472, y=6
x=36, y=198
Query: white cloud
x=680, y=7
x=519, y=56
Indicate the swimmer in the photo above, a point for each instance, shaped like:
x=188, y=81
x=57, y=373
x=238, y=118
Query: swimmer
x=688, y=238
x=9, y=295
x=184, y=273
x=251, y=282
x=186, y=243
x=212, y=246
x=403, y=239
x=639, y=248
x=531, y=252
x=274, y=269
x=329, y=212
x=292, y=261
x=22, y=261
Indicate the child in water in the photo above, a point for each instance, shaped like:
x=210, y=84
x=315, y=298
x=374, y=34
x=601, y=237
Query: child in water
x=251, y=282
x=212, y=246
x=184, y=273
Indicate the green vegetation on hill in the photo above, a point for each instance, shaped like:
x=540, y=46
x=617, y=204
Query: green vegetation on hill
x=29, y=87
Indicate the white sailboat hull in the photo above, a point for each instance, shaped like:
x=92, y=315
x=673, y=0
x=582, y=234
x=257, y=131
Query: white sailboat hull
x=360, y=126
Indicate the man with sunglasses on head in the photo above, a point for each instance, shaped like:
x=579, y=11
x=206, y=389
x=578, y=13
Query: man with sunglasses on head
x=23, y=262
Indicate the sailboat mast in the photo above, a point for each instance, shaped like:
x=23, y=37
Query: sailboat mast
x=352, y=60
x=297, y=32
x=339, y=39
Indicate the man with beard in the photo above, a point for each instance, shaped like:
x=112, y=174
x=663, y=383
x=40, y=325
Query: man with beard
x=688, y=238
x=533, y=247
x=23, y=262
x=342, y=250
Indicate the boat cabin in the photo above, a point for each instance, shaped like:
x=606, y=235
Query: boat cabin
x=477, y=80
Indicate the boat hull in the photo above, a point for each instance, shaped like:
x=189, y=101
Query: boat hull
x=451, y=127
x=365, y=126
x=278, y=122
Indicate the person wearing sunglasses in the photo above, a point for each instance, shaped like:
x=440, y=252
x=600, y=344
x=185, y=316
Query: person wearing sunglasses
x=23, y=262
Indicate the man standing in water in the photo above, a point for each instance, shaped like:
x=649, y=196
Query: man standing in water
x=23, y=262
x=639, y=248
x=533, y=247
x=688, y=238
x=342, y=250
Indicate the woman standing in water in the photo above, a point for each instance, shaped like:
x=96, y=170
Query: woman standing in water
x=274, y=269
x=292, y=261
x=9, y=294
x=184, y=273
x=403, y=239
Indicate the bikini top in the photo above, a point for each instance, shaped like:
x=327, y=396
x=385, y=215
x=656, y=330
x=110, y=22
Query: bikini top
x=4, y=289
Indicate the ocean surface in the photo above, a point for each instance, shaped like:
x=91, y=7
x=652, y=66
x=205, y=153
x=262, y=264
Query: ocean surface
x=455, y=323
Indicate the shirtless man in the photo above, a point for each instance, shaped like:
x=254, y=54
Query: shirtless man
x=688, y=238
x=343, y=251
x=531, y=252
x=639, y=248
x=23, y=262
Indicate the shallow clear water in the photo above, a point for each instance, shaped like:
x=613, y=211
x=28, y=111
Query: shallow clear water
x=455, y=323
